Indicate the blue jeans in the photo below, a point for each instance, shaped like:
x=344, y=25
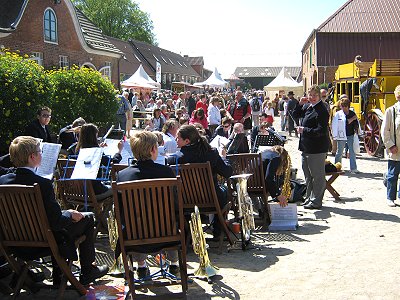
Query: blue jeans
x=339, y=152
x=392, y=177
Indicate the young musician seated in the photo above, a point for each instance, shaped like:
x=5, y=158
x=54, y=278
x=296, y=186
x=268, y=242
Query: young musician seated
x=67, y=136
x=67, y=225
x=196, y=149
x=144, y=147
x=238, y=140
x=88, y=138
x=39, y=128
x=275, y=164
x=225, y=129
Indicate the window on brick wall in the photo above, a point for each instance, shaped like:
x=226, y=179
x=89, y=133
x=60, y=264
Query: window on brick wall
x=63, y=61
x=38, y=57
x=50, y=26
x=106, y=70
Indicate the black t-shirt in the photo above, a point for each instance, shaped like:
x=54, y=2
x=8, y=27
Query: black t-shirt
x=353, y=126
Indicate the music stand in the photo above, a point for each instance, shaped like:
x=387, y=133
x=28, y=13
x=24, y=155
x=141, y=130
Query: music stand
x=272, y=139
x=102, y=172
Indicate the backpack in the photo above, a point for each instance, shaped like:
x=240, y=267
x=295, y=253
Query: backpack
x=255, y=105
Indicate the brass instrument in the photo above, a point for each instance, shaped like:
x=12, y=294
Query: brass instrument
x=118, y=266
x=206, y=269
x=245, y=207
x=286, y=189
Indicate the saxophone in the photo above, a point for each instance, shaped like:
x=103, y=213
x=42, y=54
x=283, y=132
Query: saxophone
x=118, y=266
x=245, y=206
x=206, y=269
x=286, y=189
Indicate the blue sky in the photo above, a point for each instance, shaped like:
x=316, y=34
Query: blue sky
x=238, y=33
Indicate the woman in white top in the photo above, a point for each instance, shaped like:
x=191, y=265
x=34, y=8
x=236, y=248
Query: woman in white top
x=344, y=126
x=214, y=116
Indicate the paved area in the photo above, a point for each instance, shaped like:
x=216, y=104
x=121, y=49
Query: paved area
x=346, y=250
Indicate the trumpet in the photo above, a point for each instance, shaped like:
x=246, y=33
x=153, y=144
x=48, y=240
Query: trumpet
x=206, y=269
x=118, y=266
x=245, y=206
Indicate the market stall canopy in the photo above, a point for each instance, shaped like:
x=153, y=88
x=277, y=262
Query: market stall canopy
x=215, y=80
x=140, y=79
x=284, y=82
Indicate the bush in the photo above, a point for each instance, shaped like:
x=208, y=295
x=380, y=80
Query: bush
x=82, y=93
x=25, y=87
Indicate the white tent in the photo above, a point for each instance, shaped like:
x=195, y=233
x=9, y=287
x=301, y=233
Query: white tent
x=215, y=80
x=284, y=82
x=140, y=79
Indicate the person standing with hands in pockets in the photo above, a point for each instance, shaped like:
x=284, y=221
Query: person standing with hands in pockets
x=391, y=135
x=314, y=144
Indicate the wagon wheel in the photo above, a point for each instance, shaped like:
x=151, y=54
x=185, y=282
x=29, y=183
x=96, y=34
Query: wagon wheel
x=372, y=129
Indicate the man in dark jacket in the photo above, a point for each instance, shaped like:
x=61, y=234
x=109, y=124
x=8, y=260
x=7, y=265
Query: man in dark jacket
x=292, y=103
x=39, y=128
x=68, y=225
x=314, y=144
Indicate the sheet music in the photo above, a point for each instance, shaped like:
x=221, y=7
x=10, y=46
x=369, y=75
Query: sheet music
x=112, y=148
x=87, y=164
x=283, y=218
x=50, y=153
x=126, y=153
x=218, y=141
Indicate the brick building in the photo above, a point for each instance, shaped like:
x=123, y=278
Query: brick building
x=56, y=34
x=360, y=27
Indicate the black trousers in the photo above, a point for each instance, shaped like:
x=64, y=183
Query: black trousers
x=86, y=248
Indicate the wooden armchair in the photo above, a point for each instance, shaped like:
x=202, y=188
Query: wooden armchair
x=73, y=192
x=24, y=224
x=198, y=190
x=251, y=163
x=149, y=211
x=115, y=169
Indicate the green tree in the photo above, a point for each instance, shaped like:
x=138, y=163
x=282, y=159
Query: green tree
x=121, y=19
x=82, y=92
x=25, y=87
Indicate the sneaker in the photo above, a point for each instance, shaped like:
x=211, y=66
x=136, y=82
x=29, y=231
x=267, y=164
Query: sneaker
x=355, y=171
x=143, y=272
x=94, y=273
x=390, y=203
x=175, y=270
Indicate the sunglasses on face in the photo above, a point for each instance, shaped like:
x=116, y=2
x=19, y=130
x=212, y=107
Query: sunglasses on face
x=45, y=116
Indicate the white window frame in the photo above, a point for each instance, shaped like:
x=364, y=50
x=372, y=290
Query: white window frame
x=55, y=41
x=63, y=61
x=106, y=70
x=38, y=57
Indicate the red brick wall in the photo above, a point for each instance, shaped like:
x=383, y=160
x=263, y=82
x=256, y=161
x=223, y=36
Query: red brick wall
x=28, y=38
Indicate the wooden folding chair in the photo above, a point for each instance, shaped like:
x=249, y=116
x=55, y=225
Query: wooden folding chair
x=251, y=163
x=24, y=224
x=198, y=189
x=73, y=192
x=147, y=210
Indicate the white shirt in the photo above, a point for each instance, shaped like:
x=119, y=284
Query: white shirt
x=170, y=144
x=339, y=126
x=214, y=116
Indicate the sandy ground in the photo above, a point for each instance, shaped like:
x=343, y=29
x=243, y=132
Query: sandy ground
x=346, y=250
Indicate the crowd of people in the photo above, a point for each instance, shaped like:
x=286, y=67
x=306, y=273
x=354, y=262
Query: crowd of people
x=181, y=130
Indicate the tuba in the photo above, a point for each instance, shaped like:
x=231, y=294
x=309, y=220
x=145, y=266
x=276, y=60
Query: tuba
x=245, y=207
x=206, y=269
x=118, y=266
